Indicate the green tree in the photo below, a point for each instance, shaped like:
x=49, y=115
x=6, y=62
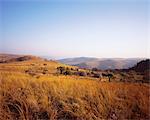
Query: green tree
x=109, y=76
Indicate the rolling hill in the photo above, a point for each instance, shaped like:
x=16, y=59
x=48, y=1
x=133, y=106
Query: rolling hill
x=32, y=89
x=6, y=58
x=143, y=67
x=101, y=63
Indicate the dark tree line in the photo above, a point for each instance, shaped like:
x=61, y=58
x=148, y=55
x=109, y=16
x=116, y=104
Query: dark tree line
x=75, y=71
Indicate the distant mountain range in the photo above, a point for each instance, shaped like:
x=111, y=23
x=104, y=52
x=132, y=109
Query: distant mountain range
x=82, y=62
x=102, y=63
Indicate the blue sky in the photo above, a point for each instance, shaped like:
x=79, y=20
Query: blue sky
x=63, y=28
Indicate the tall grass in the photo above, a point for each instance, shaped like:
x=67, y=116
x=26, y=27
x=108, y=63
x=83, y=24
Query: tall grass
x=66, y=97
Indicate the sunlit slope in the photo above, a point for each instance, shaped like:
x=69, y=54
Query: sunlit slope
x=32, y=90
x=35, y=64
x=65, y=97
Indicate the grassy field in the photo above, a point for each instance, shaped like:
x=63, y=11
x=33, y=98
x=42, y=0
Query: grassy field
x=51, y=96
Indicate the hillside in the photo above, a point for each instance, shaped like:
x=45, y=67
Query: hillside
x=32, y=64
x=103, y=63
x=33, y=89
x=143, y=67
x=7, y=58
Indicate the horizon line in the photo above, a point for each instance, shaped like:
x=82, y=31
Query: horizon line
x=59, y=58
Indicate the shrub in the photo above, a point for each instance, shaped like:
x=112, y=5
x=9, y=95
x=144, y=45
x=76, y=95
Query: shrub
x=72, y=69
x=61, y=69
x=109, y=75
x=26, y=71
x=67, y=68
x=89, y=74
x=44, y=64
x=67, y=72
x=96, y=75
x=82, y=73
x=94, y=69
x=45, y=71
x=104, y=75
x=33, y=64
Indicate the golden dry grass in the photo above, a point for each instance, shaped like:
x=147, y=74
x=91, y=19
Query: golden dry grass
x=68, y=97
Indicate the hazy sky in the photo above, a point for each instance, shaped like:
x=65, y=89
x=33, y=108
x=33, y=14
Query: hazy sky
x=71, y=28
